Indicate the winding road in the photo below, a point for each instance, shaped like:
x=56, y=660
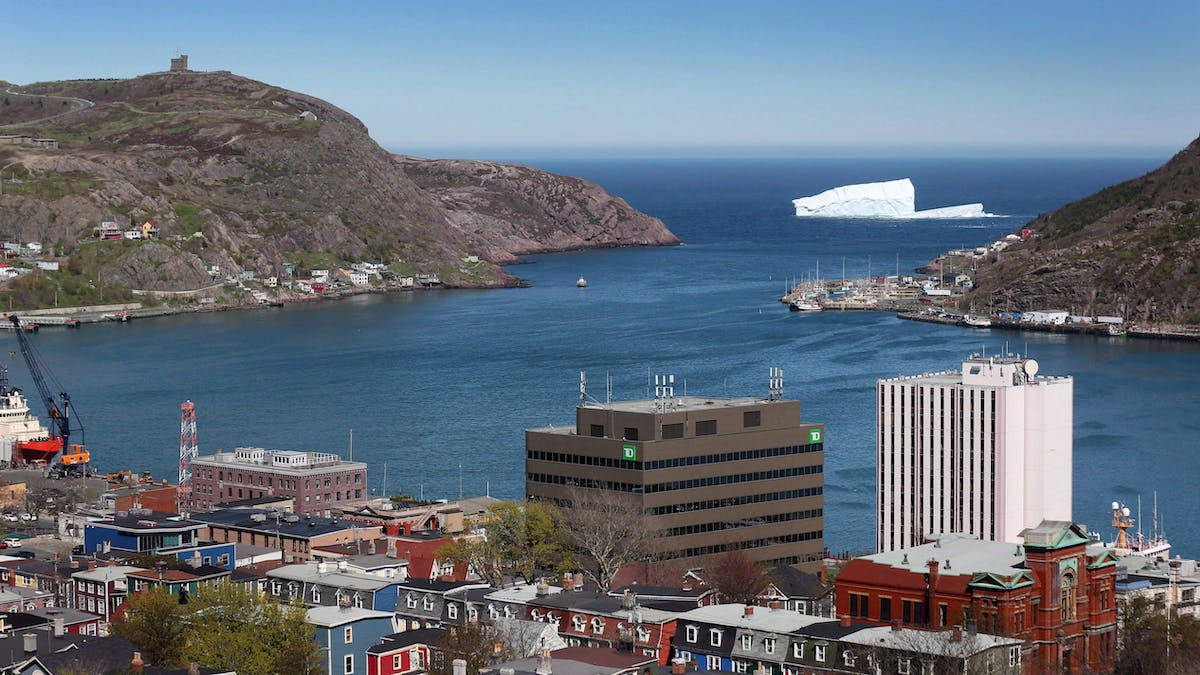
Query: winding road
x=77, y=103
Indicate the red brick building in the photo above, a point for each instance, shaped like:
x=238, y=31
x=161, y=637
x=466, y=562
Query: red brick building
x=319, y=482
x=1052, y=593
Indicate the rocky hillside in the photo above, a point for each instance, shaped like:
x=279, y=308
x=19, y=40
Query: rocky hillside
x=248, y=176
x=1132, y=250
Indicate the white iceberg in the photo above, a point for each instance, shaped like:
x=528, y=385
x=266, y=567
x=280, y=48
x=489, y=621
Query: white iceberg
x=889, y=199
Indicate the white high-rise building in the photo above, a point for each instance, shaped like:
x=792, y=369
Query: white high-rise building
x=983, y=451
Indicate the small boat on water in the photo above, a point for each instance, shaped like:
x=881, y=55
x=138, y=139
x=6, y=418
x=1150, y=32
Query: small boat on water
x=804, y=305
x=582, y=283
x=977, y=321
x=122, y=317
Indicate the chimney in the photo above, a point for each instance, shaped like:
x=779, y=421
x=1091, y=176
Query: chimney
x=956, y=634
x=29, y=641
x=322, y=567
x=627, y=600
x=568, y=582
x=459, y=667
x=678, y=666
x=136, y=664
x=543, y=664
x=371, y=547
x=748, y=611
x=343, y=565
x=60, y=626
x=844, y=620
x=774, y=605
x=579, y=581
x=543, y=588
x=896, y=625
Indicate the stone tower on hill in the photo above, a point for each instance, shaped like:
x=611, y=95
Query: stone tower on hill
x=179, y=65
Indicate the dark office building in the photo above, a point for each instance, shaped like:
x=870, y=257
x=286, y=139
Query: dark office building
x=712, y=473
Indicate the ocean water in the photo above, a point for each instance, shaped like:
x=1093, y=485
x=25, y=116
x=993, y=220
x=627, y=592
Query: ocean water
x=439, y=385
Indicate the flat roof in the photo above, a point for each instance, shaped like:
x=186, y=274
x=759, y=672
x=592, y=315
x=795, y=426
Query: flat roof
x=336, y=616
x=307, y=573
x=685, y=404
x=107, y=572
x=303, y=528
x=957, y=555
x=763, y=618
x=927, y=642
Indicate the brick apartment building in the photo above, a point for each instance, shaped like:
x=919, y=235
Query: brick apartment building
x=318, y=481
x=1052, y=593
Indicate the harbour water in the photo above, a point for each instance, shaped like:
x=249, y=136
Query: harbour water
x=435, y=381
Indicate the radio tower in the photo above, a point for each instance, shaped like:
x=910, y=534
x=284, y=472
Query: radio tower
x=187, y=452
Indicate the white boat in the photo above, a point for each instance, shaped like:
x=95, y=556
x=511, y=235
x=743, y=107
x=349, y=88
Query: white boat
x=1136, y=543
x=977, y=321
x=805, y=305
x=582, y=283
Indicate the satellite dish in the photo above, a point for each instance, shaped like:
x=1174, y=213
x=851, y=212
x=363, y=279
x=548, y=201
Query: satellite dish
x=1115, y=506
x=1031, y=367
x=1125, y=511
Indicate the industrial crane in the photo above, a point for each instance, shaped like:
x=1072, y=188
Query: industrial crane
x=75, y=457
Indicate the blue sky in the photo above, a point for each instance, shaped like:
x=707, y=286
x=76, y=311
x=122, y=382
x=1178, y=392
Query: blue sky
x=667, y=78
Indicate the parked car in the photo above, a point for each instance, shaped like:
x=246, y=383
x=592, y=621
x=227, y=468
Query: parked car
x=13, y=542
x=28, y=555
x=10, y=517
x=28, y=517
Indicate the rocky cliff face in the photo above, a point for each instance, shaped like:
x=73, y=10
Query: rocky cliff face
x=248, y=176
x=1131, y=250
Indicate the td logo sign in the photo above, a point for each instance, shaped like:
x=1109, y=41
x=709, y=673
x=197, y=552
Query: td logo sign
x=814, y=435
x=629, y=452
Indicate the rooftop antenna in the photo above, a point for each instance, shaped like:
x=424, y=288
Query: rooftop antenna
x=1139, y=520
x=608, y=389
x=351, y=444
x=582, y=388
x=775, y=386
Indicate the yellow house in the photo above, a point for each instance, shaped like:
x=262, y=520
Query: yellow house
x=149, y=230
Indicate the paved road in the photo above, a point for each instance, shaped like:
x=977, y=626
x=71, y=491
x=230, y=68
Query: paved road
x=78, y=103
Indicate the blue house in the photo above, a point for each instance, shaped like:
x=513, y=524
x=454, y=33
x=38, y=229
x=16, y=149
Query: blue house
x=346, y=633
x=141, y=532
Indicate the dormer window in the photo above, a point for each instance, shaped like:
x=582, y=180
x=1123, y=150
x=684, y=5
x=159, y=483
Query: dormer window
x=492, y=611
x=427, y=604
x=411, y=601
x=848, y=658
x=536, y=615
x=747, y=643
x=692, y=634
x=798, y=650
x=578, y=621
x=714, y=637
x=598, y=625
x=643, y=634
x=769, y=645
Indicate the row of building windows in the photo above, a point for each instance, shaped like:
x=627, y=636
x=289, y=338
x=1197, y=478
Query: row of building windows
x=738, y=456
x=674, y=485
x=753, y=543
x=737, y=501
x=743, y=522
x=735, y=478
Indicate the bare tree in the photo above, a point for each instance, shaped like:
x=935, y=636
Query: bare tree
x=609, y=531
x=736, y=576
